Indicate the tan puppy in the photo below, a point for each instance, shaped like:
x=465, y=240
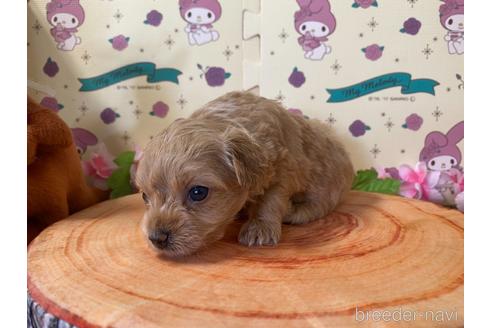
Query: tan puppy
x=238, y=151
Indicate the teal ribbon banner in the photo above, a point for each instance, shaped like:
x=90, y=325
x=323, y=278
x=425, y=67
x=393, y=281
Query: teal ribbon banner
x=391, y=80
x=128, y=72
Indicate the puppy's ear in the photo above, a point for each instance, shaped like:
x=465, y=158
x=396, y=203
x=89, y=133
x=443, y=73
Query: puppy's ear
x=245, y=157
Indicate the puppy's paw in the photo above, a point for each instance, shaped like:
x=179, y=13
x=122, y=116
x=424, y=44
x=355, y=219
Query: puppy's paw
x=259, y=233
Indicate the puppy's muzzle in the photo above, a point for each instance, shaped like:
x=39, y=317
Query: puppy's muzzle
x=160, y=238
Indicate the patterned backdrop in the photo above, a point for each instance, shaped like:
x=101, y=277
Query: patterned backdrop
x=387, y=75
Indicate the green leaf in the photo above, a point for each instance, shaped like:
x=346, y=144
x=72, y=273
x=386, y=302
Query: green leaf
x=367, y=180
x=125, y=158
x=227, y=75
x=119, y=181
x=364, y=176
x=355, y=5
x=382, y=186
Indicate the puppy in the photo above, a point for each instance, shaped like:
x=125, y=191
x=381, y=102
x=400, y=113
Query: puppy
x=238, y=151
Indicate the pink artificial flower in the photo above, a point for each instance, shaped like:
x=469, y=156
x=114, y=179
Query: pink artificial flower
x=99, y=167
x=451, y=184
x=388, y=173
x=382, y=173
x=460, y=201
x=419, y=183
x=457, y=177
x=441, y=187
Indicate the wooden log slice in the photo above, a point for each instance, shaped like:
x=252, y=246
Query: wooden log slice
x=374, y=253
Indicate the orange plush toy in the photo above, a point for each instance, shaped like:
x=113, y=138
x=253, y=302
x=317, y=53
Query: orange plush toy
x=56, y=186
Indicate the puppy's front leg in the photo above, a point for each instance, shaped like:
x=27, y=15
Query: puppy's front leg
x=264, y=225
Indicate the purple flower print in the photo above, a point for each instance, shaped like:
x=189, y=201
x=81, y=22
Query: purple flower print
x=413, y=122
x=108, y=116
x=154, y=18
x=296, y=111
x=358, y=128
x=364, y=3
x=50, y=68
x=159, y=109
x=119, y=42
x=373, y=52
x=411, y=26
x=215, y=76
x=51, y=103
x=297, y=78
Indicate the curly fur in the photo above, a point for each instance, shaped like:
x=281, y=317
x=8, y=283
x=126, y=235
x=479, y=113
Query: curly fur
x=252, y=154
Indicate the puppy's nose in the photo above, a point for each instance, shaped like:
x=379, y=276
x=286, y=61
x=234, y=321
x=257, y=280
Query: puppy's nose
x=159, y=238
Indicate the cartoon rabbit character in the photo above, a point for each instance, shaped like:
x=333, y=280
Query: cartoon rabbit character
x=200, y=14
x=65, y=16
x=452, y=16
x=314, y=21
x=440, y=152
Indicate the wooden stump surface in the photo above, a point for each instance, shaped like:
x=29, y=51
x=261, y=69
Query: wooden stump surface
x=374, y=253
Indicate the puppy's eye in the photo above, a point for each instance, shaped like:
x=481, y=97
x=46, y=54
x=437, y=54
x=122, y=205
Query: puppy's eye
x=433, y=163
x=55, y=19
x=73, y=20
x=450, y=21
x=145, y=198
x=452, y=161
x=303, y=27
x=323, y=29
x=209, y=15
x=189, y=14
x=198, y=193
